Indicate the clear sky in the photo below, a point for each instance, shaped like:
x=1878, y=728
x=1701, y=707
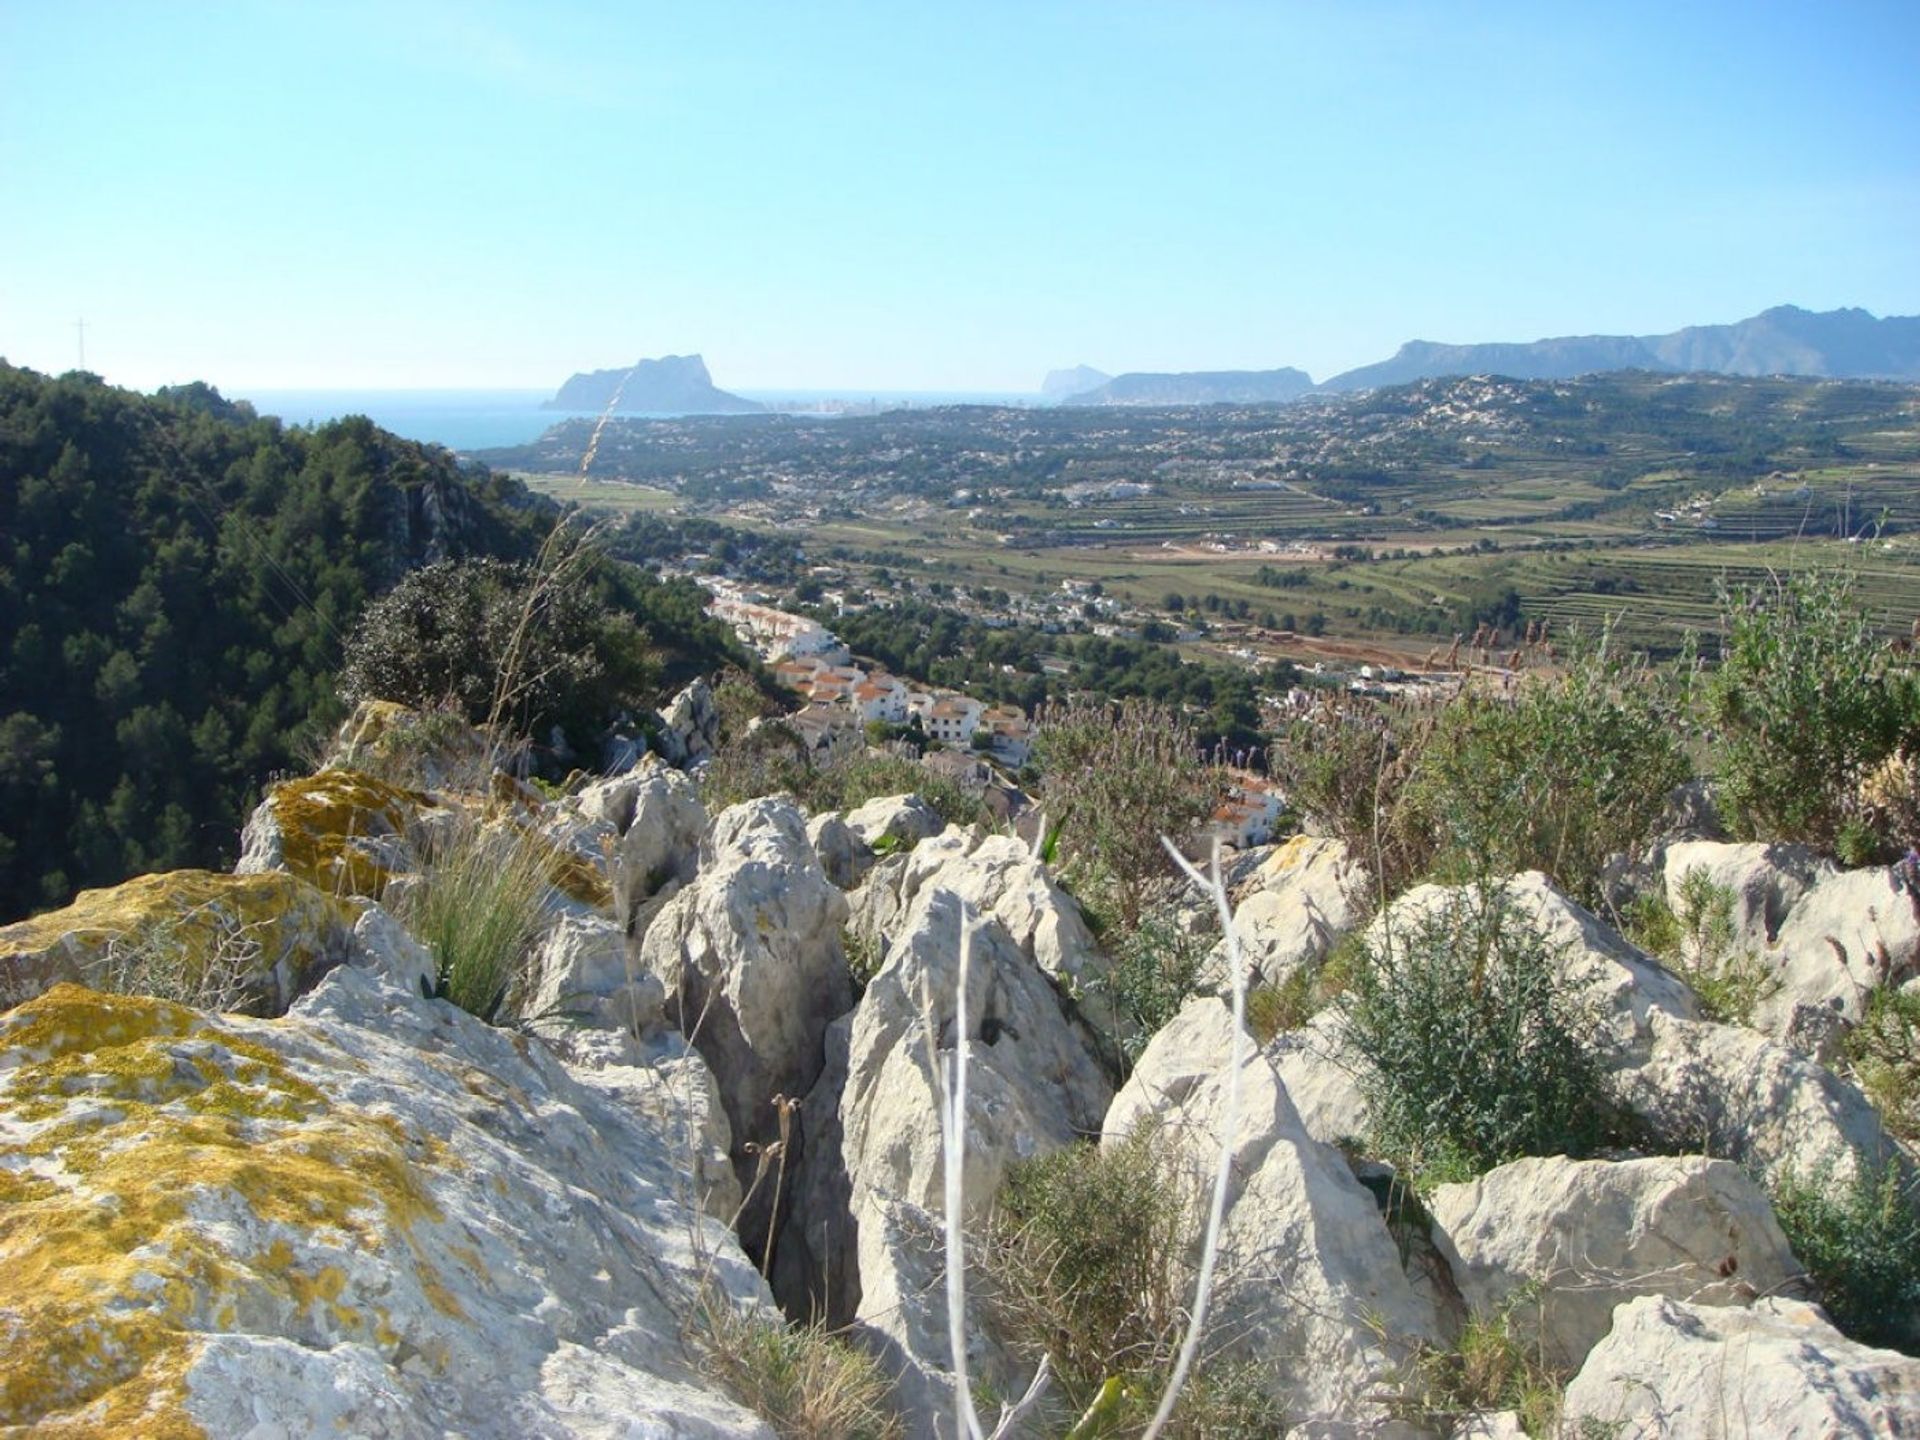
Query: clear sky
x=906, y=195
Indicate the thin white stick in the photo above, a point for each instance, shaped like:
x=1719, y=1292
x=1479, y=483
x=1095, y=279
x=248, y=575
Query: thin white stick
x=953, y=1128
x=1210, y=1247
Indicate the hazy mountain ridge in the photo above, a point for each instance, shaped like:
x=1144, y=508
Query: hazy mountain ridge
x=1200, y=387
x=1849, y=344
x=1064, y=384
x=670, y=385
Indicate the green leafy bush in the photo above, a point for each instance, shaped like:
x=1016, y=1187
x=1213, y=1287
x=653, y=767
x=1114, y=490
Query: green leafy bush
x=1884, y=1051
x=500, y=642
x=1568, y=770
x=1860, y=1240
x=1155, y=970
x=1807, y=702
x=1085, y=1261
x=1473, y=1047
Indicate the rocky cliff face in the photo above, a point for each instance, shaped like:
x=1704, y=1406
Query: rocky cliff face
x=361, y=1210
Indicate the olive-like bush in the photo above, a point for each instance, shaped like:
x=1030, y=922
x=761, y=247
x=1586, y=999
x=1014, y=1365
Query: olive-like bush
x=1474, y=1048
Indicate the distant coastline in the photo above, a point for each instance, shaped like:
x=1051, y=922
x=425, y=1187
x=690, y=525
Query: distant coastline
x=467, y=420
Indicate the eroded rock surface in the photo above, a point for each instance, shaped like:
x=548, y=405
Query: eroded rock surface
x=376, y=1217
x=1673, y=1371
x=1561, y=1242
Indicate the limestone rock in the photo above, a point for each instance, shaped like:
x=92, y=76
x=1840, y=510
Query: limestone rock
x=1000, y=877
x=258, y=940
x=1305, y=897
x=339, y=830
x=1565, y=1241
x=1767, y=881
x=660, y=842
x=376, y=1216
x=690, y=725
x=662, y=1078
x=1724, y=1090
x=843, y=855
x=1311, y=1280
x=580, y=973
x=384, y=946
x=1674, y=1371
x=1032, y=1088
x=1851, y=931
x=1321, y=1078
x=895, y=821
x=750, y=958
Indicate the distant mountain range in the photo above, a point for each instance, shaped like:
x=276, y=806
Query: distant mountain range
x=671, y=385
x=1786, y=340
x=1062, y=384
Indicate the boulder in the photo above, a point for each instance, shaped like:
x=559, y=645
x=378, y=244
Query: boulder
x=383, y=945
x=843, y=855
x=1725, y=1090
x=1561, y=1242
x=663, y=1079
x=895, y=822
x=244, y=941
x=662, y=831
x=690, y=725
x=1850, y=932
x=376, y=1216
x=1767, y=881
x=582, y=973
x=340, y=830
x=1000, y=877
x=1305, y=897
x=873, y=1177
x=1321, y=1079
x=1673, y=1371
x=750, y=958
x=1310, y=1279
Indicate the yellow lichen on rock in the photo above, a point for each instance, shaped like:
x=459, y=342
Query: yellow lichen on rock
x=142, y=1119
x=283, y=929
x=337, y=829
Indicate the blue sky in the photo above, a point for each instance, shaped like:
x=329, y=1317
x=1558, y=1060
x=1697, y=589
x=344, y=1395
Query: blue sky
x=919, y=196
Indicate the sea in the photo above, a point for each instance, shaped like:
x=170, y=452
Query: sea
x=470, y=420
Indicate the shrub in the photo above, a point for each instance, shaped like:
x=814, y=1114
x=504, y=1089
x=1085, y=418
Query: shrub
x=478, y=904
x=1696, y=942
x=1569, y=770
x=1155, y=970
x=205, y=959
x=1117, y=778
x=1085, y=1262
x=1487, y=1368
x=1884, y=1050
x=1805, y=704
x=499, y=642
x=1861, y=1242
x=1473, y=1047
x=806, y=1383
x=1345, y=768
